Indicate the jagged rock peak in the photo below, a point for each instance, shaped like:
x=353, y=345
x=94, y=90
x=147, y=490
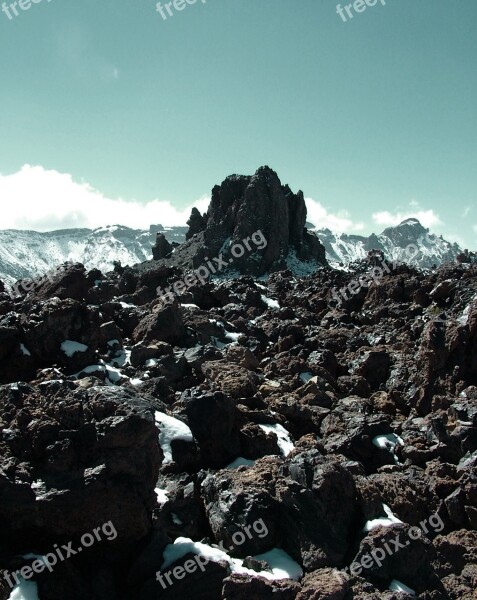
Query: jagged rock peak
x=162, y=248
x=243, y=205
x=196, y=223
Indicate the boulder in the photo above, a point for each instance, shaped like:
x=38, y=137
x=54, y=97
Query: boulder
x=74, y=459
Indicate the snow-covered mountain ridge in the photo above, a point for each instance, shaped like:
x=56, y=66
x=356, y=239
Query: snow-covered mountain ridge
x=30, y=253
x=408, y=242
x=26, y=254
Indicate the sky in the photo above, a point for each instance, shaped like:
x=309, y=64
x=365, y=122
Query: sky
x=110, y=113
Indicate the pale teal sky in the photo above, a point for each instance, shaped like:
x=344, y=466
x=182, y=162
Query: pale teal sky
x=375, y=116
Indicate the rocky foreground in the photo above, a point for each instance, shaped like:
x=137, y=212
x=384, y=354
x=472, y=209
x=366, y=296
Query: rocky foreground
x=354, y=422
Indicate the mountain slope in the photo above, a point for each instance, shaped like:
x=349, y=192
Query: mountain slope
x=30, y=253
x=408, y=242
x=26, y=254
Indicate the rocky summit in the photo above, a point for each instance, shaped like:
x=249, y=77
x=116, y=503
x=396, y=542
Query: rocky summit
x=241, y=207
x=295, y=438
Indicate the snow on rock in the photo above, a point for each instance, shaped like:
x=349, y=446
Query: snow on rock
x=39, y=488
x=123, y=358
x=126, y=305
x=162, y=496
x=70, y=347
x=388, y=441
x=240, y=462
x=229, y=335
x=31, y=253
x=382, y=522
x=284, y=440
x=464, y=318
x=217, y=343
x=397, y=586
x=273, y=383
x=113, y=375
x=343, y=249
x=233, y=337
x=25, y=350
x=25, y=590
x=282, y=566
x=305, y=377
x=269, y=302
x=170, y=429
x=301, y=268
x=467, y=459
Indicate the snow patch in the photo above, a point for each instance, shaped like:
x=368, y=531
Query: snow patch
x=25, y=350
x=70, y=347
x=270, y=302
x=126, y=305
x=171, y=429
x=389, y=442
x=162, y=496
x=284, y=440
x=382, y=522
x=397, y=586
x=240, y=462
x=282, y=566
x=25, y=590
x=464, y=318
x=234, y=337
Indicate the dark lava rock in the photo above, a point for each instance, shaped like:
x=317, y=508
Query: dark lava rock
x=196, y=222
x=68, y=456
x=259, y=215
x=162, y=248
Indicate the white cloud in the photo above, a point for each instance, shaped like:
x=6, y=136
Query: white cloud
x=455, y=238
x=44, y=200
x=427, y=218
x=339, y=222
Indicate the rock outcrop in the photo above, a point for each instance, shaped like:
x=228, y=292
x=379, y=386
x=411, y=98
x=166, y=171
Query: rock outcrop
x=196, y=223
x=162, y=248
x=74, y=459
x=240, y=207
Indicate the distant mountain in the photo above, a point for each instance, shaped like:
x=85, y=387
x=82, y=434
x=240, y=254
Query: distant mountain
x=30, y=253
x=407, y=242
x=26, y=254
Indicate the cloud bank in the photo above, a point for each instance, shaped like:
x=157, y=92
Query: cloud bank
x=427, y=218
x=43, y=200
x=322, y=218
